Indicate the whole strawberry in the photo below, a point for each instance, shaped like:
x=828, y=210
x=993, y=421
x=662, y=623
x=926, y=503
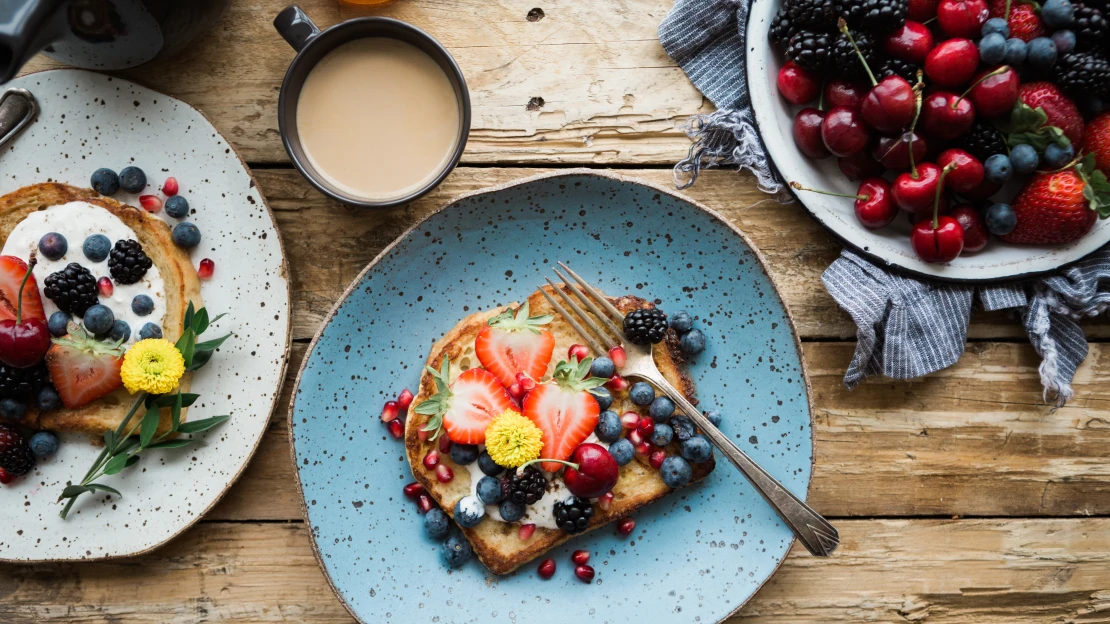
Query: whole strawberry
x=1097, y=141
x=16, y=457
x=1061, y=111
x=1024, y=22
x=1054, y=208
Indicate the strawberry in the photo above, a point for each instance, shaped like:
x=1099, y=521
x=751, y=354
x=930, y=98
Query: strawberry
x=1024, y=22
x=12, y=270
x=465, y=407
x=1097, y=141
x=511, y=344
x=83, y=368
x=1061, y=111
x=564, y=410
x=1061, y=206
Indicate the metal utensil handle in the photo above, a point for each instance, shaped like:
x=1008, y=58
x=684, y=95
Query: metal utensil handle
x=17, y=108
x=818, y=536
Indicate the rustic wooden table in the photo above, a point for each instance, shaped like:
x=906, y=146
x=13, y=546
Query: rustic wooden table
x=960, y=497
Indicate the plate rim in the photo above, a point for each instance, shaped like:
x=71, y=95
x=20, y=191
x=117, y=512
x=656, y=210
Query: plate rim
x=285, y=352
x=452, y=201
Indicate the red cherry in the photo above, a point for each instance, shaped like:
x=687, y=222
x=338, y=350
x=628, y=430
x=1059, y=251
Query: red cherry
x=839, y=92
x=938, y=240
x=894, y=152
x=962, y=18
x=922, y=10
x=23, y=341
x=917, y=194
x=946, y=116
x=967, y=173
x=546, y=569
x=874, y=206
x=859, y=166
x=807, y=133
x=844, y=132
x=888, y=106
x=797, y=84
x=975, y=233
x=911, y=43
x=952, y=63
x=995, y=92
x=591, y=471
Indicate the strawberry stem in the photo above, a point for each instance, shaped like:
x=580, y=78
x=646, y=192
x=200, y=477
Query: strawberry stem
x=798, y=187
x=843, y=26
x=1000, y=70
x=542, y=460
x=940, y=187
x=19, y=306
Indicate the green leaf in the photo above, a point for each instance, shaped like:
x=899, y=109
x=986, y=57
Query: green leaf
x=172, y=444
x=74, y=490
x=149, y=426
x=216, y=318
x=104, y=488
x=189, y=312
x=200, y=321
x=212, y=345
x=175, y=412
x=119, y=462
x=187, y=399
x=200, y=358
x=196, y=426
x=188, y=347
x=109, y=438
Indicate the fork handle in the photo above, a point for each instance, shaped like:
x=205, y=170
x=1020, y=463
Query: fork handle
x=815, y=533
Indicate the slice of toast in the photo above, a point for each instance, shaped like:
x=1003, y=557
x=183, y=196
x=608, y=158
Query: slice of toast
x=497, y=544
x=181, y=286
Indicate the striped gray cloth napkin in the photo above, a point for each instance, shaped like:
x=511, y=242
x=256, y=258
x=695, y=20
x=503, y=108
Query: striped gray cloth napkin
x=905, y=327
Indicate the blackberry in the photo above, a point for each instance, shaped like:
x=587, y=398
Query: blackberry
x=128, y=263
x=845, y=60
x=898, y=67
x=573, y=514
x=1083, y=74
x=812, y=14
x=883, y=16
x=983, y=141
x=16, y=457
x=1090, y=27
x=523, y=487
x=782, y=29
x=810, y=50
x=22, y=383
x=73, y=289
x=646, y=326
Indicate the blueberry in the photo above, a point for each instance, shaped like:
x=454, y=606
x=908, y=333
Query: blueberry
x=641, y=393
x=119, y=332
x=697, y=449
x=150, y=330
x=11, y=409
x=661, y=409
x=1056, y=157
x=998, y=168
x=1057, y=14
x=58, y=324
x=186, y=235
x=683, y=427
x=455, y=550
x=48, y=400
x=608, y=426
x=662, y=435
x=489, y=490
x=675, y=471
x=53, y=246
x=692, y=342
x=510, y=511
x=132, y=179
x=992, y=48
x=1001, y=219
x=714, y=417
x=44, y=444
x=97, y=247
x=622, y=451
x=142, y=305
x=469, y=511
x=98, y=319
x=681, y=321
x=463, y=454
x=1024, y=159
x=996, y=25
x=603, y=367
x=1042, y=53
x=603, y=396
x=1064, y=40
x=176, y=207
x=436, y=524
x=104, y=181
x=488, y=466
x=1015, y=52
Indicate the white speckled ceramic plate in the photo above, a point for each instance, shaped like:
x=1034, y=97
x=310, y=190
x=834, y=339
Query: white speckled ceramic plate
x=88, y=121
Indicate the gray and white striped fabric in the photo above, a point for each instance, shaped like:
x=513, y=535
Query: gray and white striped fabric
x=905, y=327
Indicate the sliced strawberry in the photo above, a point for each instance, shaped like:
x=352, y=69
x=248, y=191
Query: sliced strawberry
x=512, y=344
x=12, y=270
x=564, y=410
x=465, y=408
x=82, y=368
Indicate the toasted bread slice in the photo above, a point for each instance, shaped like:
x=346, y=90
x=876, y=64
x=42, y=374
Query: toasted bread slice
x=180, y=279
x=497, y=543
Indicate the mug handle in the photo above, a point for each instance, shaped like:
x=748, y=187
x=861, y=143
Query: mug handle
x=296, y=27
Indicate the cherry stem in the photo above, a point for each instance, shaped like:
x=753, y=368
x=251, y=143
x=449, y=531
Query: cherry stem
x=19, y=306
x=798, y=187
x=1006, y=15
x=918, y=98
x=999, y=71
x=940, y=187
x=843, y=26
x=557, y=461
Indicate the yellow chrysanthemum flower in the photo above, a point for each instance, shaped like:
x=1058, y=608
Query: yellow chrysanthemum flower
x=153, y=365
x=512, y=439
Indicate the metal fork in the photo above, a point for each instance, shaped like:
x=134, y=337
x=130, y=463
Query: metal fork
x=818, y=536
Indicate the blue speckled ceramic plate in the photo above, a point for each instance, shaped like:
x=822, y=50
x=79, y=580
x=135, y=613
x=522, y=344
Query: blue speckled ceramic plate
x=697, y=555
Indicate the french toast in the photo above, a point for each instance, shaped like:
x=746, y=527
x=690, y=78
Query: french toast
x=496, y=543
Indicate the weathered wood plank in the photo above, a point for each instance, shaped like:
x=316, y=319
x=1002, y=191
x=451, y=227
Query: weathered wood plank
x=936, y=571
x=588, y=83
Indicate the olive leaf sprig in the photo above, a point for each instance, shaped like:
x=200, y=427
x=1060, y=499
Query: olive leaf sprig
x=121, y=447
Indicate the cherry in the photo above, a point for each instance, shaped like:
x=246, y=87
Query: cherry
x=975, y=232
x=911, y=42
x=962, y=18
x=922, y=10
x=967, y=172
x=890, y=104
x=952, y=63
x=591, y=472
x=859, y=166
x=807, y=133
x=873, y=206
x=946, y=116
x=839, y=92
x=23, y=343
x=894, y=152
x=941, y=238
x=844, y=132
x=916, y=191
x=995, y=92
x=797, y=84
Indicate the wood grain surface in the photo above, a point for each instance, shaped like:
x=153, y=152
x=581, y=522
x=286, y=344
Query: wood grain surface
x=961, y=497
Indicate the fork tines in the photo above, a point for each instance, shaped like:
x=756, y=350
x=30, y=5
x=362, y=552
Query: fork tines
x=598, y=338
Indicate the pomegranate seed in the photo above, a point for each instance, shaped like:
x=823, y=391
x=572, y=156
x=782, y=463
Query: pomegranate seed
x=6, y=477
x=630, y=420
x=636, y=438
x=605, y=500
x=396, y=429
x=656, y=459
x=425, y=503
x=626, y=526
x=584, y=573
x=617, y=383
x=618, y=356
x=646, y=427
x=516, y=391
x=525, y=532
x=444, y=444
x=389, y=411
x=642, y=449
x=579, y=351
x=169, y=187
x=404, y=400
x=547, y=568
x=414, y=490
x=431, y=460
x=105, y=286
x=444, y=473
x=527, y=384
x=580, y=557
x=206, y=269
x=423, y=435
x=150, y=203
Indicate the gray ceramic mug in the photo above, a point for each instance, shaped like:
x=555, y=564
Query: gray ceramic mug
x=311, y=45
